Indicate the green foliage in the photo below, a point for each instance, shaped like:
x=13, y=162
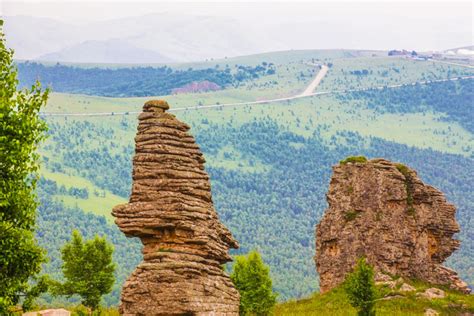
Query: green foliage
x=403, y=169
x=350, y=189
x=82, y=310
x=351, y=215
x=252, y=278
x=336, y=303
x=88, y=269
x=451, y=98
x=360, y=288
x=408, y=186
x=353, y=159
x=56, y=221
x=123, y=82
x=41, y=286
x=21, y=130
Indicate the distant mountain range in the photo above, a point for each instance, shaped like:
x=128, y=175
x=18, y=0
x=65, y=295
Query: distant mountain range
x=181, y=37
x=107, y=51
x=154, y=38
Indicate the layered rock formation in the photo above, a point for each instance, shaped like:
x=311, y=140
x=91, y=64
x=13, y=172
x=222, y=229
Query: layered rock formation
x=171, y=211
x=382, y=210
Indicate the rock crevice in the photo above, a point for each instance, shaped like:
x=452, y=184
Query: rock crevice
x=171, y=211
x=382, y=211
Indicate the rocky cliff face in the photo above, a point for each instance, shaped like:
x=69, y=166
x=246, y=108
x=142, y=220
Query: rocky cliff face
x=171, y=211
x=382, y=210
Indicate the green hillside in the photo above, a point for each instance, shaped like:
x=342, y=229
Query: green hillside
x=270, y=164
x=336, y=303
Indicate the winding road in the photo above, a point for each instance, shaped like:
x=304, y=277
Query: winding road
x=308, y=92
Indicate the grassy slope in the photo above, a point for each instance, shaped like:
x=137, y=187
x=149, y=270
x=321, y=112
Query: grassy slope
x=386, y=71
x=335, y=303
x=100, y=204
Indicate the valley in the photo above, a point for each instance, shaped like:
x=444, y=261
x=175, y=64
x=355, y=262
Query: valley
x=269, y=143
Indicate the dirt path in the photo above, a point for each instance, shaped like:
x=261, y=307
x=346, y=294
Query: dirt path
x=316, y=81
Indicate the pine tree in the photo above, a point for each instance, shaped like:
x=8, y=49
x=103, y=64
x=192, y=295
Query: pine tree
x=252, y=279
x=21, y=130
x=360, y=288
x=88, y=269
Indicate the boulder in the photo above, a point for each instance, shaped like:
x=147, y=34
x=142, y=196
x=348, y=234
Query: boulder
x=406, y=288
x=432, y=293
x=431, y=312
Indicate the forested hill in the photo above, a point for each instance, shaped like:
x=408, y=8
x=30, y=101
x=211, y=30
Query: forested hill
x=455, y=99
x=272, y=207
x=138, y=81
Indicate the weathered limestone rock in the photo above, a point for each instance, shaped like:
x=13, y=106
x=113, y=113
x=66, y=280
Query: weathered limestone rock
x=171, y=211
x=406, y=288
x=431, y=312
x=382, y=210
x=432, y=293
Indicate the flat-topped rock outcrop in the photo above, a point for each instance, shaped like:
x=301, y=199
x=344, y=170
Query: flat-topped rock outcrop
x=381, y=210
x=172, y=212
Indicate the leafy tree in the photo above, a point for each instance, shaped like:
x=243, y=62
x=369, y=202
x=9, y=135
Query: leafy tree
x=21, y=129
x=88, y=269
x=252, y=278
x=360, y=288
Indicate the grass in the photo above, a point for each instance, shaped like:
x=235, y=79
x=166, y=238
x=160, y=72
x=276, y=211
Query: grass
x=230, y=158
x=336, y=303
x=403, y=169
x=351, y=215
x=354, y=159
x=100, y=205
x=301, y=116
x=386, y=71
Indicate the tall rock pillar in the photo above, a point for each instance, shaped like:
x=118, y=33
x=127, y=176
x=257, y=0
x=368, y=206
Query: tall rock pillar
x=171, y=211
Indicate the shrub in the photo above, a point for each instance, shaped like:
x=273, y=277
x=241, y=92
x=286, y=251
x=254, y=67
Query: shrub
x=360, y=288
x=403, y=169
x=351, y=215
x=353, y=159
x=88, y=269
x=252, y=279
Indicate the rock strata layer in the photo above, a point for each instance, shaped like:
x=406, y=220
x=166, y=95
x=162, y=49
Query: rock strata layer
x=383, y=211
x=171, y=211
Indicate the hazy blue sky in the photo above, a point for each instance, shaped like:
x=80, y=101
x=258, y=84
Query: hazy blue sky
x=421, y=25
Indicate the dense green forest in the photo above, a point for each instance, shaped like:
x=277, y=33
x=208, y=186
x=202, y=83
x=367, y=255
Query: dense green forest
x=55, y=224
x=273, y=208
x=453, y=98
x=137, y=81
